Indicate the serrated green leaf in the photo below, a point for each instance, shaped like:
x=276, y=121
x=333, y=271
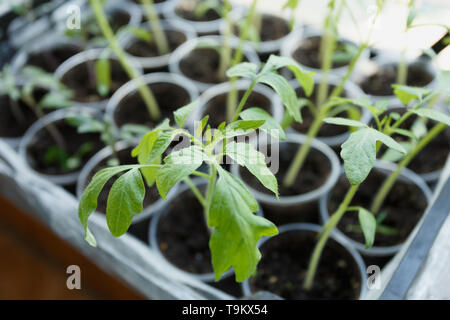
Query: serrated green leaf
x=243, y=70
x=271, y=126
x=246, y=155
x=443, y=86
x=368, y=225
x=242, y=127
x=124, y=202
x=433, y=115
x=55, y=100
x=359, y=153
x=178, y=165
x=407, y=94
x=237, y=230
x=344, y=122
x=183, y=113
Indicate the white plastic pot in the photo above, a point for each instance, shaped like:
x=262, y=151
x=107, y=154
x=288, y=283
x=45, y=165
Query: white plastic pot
x=185, y=49
x=386, y=168
x=307, y=227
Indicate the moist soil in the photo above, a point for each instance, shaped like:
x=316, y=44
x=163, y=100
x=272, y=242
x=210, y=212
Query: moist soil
x=183, y=239
x=42, y=141
x=132, y=108
x=202, y=64
x=125, y=158
x=82, y=80
x=314, y=173
x=50, y=59
x=272, y=28
x=380, y=83
x=308, y=53
x=117, y=20
x=327, y=130
x=186, y=10
x=284, y=264
x=404, y=206
x=140, y=48
x=11, y=126
x=217, y=106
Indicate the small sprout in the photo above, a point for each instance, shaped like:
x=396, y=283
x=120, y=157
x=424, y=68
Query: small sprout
x=65, y=161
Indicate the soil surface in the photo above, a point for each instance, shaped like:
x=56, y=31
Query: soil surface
x=272, y=28
x=125, y=158
x=404, y=206
x=82, y=80
x=314, y=173
x=284, y=264
x=42, y=141
x=117, y=20
x=308, y=53
x=132, y=108
x=216, y=107
x=380, y=83
x=140, y=48
x=186, y=10
x=50, y=59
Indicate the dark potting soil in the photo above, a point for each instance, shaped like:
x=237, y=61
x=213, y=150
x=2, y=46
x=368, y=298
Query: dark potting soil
x=184, y=239
x=186, y=10
x=12, y=126
x=308, y=53
x=380, y=83
x=272, y=28
x=216, y=107
x=117, y=20
x=42, y=141
x=50, y=59
x=404, y=206
x=314, y=173
x=141, y=48
x=284, y=264
x=132, y=108
x=202, y=64
x=327, y=130
x=125, y=158
x=82, y=80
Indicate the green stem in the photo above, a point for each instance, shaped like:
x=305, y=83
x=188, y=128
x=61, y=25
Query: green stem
x=329, y=226
x=160, y=37
x=209, y=192
x=144, y=90
x=243, y=101
x=195, y=191
x=402, y=72
x=389, y=182
x=226, y=52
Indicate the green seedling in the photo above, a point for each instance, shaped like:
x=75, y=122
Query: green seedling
x=65, y=161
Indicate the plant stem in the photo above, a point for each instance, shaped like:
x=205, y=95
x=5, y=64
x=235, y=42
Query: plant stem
x=160, y=37
x=144, y=90
x=195, y=191
x=244, y=101
x=389, y=182
x=226, y=52
x=209, y=192
x=327, y=47
x=402, y=71
x=329, y=226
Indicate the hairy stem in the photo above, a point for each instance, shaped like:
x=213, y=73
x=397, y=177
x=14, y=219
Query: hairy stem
x=160, y=37
x=243, y=101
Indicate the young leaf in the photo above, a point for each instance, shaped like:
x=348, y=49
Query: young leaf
x=103, y=74
x=246, y=155
x=124, y=201
x=178, y=165
x=233, y=242
x=271, y=126
x=243, y=70
x=344, y=122
x=140, y=33
x=407, y=94
x=368, y=226
x=55, y=100
x=359, y=153
x=432, y=114
x=183, y=113
x=242, y=127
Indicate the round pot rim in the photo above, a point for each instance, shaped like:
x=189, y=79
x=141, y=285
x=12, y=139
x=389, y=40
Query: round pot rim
x=316, y=228
x=151, y=78
x=163, y=60
x=407, y=175
x=305, y=197
x=290, y=46
x=183, y=50
x=153, y=241
x=61, y=179
x=102, y=155
x=353, y=92
x=241, y=84
x=82, y=57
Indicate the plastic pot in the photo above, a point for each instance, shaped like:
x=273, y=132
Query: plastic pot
x=301, y=207
x=185, y=49
x=160, y=7
x=386, y=60
x=131, y=88
x=385, y=168
x=307, y=227
x=104, y=154
x=351, y=91
x=276, y=108
x=201, y=27
x=299, y=37
x=149, y=63
x=265, y=48
x=89, y=56
x=29, y=138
